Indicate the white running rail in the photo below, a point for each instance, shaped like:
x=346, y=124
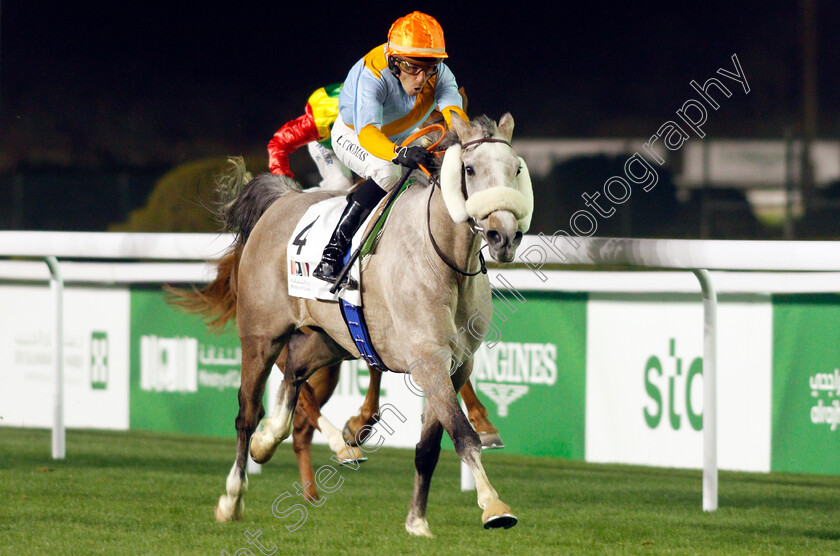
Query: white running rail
x=536, y=253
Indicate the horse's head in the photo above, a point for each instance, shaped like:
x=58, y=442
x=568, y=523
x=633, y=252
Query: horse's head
x=486, y=184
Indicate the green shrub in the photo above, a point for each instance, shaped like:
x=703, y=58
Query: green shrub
x=183, y=199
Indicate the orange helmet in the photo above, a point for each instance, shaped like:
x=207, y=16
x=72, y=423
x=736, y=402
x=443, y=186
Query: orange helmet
x=416, y=35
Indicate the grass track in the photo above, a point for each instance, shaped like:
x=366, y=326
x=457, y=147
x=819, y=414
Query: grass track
x=145, y=493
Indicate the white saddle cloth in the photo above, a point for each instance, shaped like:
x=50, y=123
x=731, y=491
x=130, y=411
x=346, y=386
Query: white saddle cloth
x=306, y=246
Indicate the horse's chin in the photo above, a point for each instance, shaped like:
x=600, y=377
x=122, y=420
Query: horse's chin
x=502, y=236
x=502, y=256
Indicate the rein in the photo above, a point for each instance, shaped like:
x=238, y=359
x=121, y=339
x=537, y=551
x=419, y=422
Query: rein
x=440, y=253
x=473, y=226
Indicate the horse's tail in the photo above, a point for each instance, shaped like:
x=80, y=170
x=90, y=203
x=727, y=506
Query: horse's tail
x=242, y=200
x=215, y=302
x=240, y=203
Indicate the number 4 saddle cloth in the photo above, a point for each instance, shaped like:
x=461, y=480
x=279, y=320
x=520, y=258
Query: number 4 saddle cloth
x=311, y=235
x=305, y=247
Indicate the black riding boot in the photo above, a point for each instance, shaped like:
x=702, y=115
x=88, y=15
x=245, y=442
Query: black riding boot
x=359, y=205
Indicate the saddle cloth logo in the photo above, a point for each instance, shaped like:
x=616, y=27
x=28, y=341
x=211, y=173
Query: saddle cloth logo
x=306, y=245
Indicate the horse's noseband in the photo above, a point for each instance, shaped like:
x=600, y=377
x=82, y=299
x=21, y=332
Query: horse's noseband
x=474, y=226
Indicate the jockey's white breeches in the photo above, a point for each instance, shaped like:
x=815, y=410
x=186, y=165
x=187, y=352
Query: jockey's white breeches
x=346, y=145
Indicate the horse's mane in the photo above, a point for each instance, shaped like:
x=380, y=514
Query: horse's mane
x=484, y=124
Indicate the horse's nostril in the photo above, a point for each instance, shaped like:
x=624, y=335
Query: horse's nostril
x=494, y=237
x=517, y=239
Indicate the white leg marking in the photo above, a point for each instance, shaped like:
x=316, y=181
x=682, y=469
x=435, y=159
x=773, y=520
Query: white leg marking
x=486, y=492
x=418, y=526
x=231, y=505
x=331, y=433
x=275, y=430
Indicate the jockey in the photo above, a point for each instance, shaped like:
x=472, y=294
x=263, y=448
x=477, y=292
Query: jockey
x=385, y=96
x=312, y=129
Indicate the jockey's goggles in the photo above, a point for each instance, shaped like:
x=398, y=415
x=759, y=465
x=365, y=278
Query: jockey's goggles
x=414, y=69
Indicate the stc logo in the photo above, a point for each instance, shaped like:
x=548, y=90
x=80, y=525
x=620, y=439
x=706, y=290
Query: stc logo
x=675, y=382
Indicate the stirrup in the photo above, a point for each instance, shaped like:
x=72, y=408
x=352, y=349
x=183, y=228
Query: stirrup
x=348, y=282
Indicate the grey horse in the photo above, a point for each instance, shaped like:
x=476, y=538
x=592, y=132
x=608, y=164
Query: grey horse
x=426, y=303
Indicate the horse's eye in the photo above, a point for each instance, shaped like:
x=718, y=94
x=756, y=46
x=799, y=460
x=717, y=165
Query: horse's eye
x=469, y=170
x=518, y=170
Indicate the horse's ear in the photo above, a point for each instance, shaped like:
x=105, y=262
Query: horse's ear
x=506, y=126
x=459, y=126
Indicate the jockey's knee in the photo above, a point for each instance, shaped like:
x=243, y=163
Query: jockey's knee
x=337, y=183
x=386, y=175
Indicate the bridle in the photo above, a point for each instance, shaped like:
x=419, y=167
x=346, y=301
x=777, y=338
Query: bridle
x=477, y=142
x=474, y=227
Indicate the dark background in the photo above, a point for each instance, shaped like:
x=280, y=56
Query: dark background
x=133, y=90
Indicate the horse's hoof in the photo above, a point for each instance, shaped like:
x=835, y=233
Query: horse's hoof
x=491, y=440
x=419, y=527
x=226, y=510
x=349, y=437
x=497, y=514
x=350, y=456
x=261, y=448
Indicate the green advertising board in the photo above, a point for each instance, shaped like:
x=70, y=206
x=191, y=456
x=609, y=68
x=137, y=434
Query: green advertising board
x=533, y=381
x=806, y=384
x=183, y=379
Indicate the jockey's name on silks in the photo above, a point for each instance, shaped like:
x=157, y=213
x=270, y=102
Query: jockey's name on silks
x=351, y=148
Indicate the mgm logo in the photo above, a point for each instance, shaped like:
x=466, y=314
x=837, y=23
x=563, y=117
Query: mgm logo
x=506, y=371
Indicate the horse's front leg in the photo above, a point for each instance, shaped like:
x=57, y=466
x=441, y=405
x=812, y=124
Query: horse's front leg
x=258, y=356
x=431, y=374
x=426, y=457
x=307, y=353
x=357, y=428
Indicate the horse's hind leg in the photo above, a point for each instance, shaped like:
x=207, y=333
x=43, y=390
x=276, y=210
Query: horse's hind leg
x=307, y=353
x=258, y=356
x=477, y=414
x=323, y=383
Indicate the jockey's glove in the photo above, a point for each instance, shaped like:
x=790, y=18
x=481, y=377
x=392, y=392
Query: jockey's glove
x=413, y=157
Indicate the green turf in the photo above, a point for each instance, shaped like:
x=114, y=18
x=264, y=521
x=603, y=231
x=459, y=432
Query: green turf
x=144, y=493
